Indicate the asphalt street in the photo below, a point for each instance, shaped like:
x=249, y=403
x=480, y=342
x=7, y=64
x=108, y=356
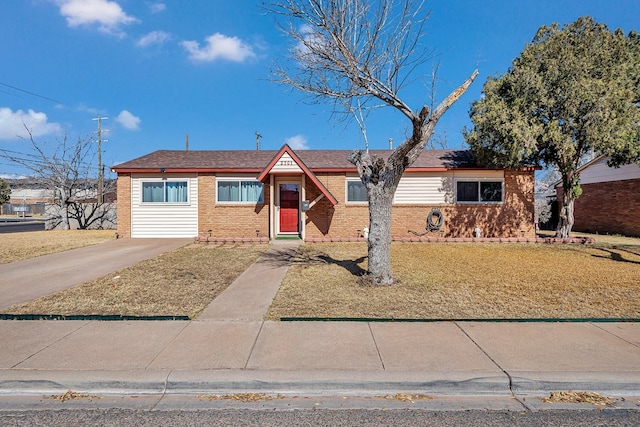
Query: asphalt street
x=20, y=226
x=267, y=418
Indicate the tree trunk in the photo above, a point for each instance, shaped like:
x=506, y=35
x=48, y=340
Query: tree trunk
x=381, y=177
x=379, y=242
x=64, y=210
x=570, y=187
x=566, y=218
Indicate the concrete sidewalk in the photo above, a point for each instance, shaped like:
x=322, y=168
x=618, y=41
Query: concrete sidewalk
x=226, y=352
x=326, y=358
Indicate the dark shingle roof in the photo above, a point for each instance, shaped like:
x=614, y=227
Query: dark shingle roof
x=259, y=159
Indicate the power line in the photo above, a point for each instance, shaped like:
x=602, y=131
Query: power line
x=19, y=157
x=100, y=165
x=31, y=93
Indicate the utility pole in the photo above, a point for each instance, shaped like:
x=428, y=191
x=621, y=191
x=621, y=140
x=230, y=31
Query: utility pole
x=258, y=136
x=100, y=165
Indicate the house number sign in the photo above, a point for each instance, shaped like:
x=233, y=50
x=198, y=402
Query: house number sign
x=286, y=163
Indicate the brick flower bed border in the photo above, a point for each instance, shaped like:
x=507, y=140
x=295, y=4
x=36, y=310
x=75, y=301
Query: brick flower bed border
x=200, y=239
x=573, y=240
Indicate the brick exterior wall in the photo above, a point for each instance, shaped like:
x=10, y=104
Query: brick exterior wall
x=227, y=220
x=513, y=218
x=124, y=204
x=608, y=208
x=341, y=220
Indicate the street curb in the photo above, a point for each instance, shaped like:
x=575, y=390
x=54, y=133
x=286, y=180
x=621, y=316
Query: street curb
x=338, y=382
x=25, y=382
x=321, y=383
x=621, y=383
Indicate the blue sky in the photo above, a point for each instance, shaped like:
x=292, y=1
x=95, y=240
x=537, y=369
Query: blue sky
x=161, y=69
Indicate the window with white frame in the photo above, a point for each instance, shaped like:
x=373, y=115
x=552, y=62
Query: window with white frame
x=479, y=191
x=165, y=192
x=239, y=190
x=356, y=191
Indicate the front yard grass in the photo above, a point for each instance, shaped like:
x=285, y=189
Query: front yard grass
x=19, y=246
x=465, y=281
x=178, y=283
x=436, y=281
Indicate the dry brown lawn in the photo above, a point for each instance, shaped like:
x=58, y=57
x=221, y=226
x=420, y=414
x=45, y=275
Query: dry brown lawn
x=178, y=283
x=436, y=280
x=465, y=281
x=19, y=246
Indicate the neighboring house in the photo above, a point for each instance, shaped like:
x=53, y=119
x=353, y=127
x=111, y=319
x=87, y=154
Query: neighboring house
x=28, y=197
x=313, y=194
x=610, y=200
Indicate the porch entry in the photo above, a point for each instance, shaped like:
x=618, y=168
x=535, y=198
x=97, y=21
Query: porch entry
x=289, y=196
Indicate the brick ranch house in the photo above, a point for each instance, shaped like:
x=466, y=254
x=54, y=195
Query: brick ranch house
x=314, y=194
x=610, y=200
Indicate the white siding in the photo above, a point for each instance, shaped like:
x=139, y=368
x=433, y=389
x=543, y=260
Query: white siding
x=478, y=174
x=428, y=188
x=600, y=172
x=164, y=219
x=422, y=188
x=286, y=164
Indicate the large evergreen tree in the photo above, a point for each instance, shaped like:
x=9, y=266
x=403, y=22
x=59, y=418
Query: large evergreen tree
x=573, y=91
x=5, y=192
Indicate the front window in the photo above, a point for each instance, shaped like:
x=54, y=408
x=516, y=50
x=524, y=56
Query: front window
x=165, y=192
x=490, y=191
x=239, y=191
x=356, y=191
x=479, y=191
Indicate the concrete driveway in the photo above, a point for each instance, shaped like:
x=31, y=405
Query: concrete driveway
x=33, y=278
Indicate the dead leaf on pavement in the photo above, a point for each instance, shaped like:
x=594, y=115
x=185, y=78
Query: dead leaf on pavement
x=72, y=395
x=578, y=397
x=241, y=397
x=402, y=397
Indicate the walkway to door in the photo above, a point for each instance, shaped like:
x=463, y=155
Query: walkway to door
x=248, y=298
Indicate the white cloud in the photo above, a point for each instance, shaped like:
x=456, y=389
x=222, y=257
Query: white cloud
x=12, y=176
x=219, y=46
x=309, y=50
x=12, y=124
x=154, y=37
x=298, y=142
x=157, y=7
x=108, y=15
x=87, y=109
x=128, y=120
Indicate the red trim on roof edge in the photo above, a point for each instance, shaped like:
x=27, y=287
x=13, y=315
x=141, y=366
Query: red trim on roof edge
x=185, y=170
x=286, y=149
x=315, y=170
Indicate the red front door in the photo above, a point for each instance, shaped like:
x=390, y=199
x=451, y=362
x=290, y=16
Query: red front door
x=289, y=205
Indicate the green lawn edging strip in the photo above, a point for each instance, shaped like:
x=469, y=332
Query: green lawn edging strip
x=499, y=320
x=100, y=317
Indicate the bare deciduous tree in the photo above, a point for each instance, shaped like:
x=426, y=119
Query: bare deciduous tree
x=66, y=172
x=360, y=55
